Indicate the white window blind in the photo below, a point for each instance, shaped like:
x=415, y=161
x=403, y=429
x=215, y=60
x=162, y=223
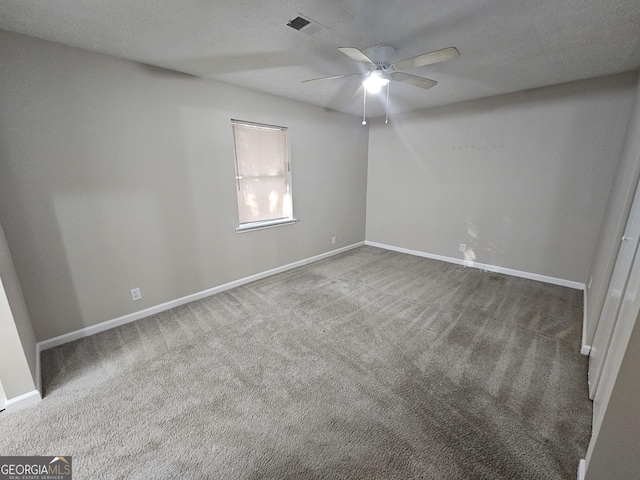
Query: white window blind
x=262, y=174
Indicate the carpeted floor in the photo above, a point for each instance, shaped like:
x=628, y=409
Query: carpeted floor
x=370, y=364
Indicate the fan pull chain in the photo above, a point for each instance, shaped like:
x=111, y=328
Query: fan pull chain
x=364, y=108
x=386, y=118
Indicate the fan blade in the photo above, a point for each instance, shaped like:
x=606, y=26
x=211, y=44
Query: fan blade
x=333, y=77
x=357, y=55
x=428, y=58
x=414, y=80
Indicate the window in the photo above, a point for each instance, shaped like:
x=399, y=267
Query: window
x=263, y=175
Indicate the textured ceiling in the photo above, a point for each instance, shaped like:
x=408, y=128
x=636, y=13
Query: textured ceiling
x=505, y=45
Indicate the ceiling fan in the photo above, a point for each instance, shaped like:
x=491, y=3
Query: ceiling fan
x=381, y=72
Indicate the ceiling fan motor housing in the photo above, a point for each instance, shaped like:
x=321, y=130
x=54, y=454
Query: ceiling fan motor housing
x=381, y=56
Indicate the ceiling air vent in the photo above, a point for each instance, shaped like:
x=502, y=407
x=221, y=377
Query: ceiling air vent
x=307, y=26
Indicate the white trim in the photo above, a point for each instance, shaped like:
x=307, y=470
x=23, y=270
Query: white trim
x=483, y=266
x=116, y=322
x=38, y=368
x=582, y=469
x=250, y=227
x=22, y=401
x=584, y=349
x=3, y=398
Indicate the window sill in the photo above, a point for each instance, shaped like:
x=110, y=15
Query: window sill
x=250, y=227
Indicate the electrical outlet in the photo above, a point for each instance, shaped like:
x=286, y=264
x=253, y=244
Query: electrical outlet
x=136, y=294
x=333, y=240
x=463, y=247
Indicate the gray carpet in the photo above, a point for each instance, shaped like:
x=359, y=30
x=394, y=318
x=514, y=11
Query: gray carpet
x=370, y=364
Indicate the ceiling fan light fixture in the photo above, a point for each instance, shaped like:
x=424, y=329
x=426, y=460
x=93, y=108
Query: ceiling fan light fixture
x=375, y=81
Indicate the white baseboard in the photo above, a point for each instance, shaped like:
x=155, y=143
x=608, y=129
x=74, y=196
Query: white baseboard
x=22, y=401
x=132, y=317
x=483, y=266
x=38, y=369
x=582, y=469
x=584, y=349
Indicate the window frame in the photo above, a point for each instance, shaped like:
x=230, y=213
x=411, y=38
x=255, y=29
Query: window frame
x=266, y=223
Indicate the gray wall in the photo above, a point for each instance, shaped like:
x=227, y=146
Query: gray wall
x=521, y=179
x=115, y=175
x=17, y=341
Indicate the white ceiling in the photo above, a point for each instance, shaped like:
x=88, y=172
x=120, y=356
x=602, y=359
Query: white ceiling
x=505, y=45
